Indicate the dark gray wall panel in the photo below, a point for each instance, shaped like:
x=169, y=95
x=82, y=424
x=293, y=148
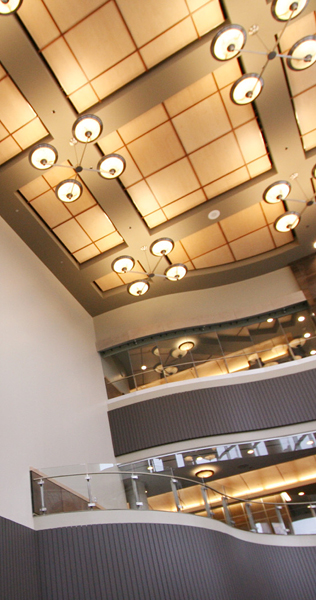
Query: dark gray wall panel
x=164, y=562
x=212, y=411
x=19, y=575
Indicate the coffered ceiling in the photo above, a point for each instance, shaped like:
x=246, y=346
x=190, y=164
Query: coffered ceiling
x=144, y=67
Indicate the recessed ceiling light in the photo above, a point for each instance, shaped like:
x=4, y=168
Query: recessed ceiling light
x=186, y=346
x=214, y=214
x=251, y=451
x=313, y=352
x=188, y=458
x=301, y=318
x=270, y=320
x=143, y=367
x=301, y=493
x=205, y=474
x=309, y=442
x=314, y=244
x=307, y=335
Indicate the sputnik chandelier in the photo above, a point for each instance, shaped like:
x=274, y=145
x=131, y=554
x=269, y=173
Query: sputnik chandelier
x=278, y=192
x=86, y=129
x=160, y=248
x=229, y=43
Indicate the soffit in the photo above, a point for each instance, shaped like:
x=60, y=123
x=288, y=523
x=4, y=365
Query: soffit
x=166, y=108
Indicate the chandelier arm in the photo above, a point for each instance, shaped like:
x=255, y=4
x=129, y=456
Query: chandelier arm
x=283, y=30
x=159, y=261
x=252, y=52
x=291, y=57
x=295, y=200
x=75, y=149
x=262, y=42
x=299, y=185
x=82, y=155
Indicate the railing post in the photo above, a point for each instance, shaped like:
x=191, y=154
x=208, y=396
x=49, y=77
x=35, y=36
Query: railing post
x=280, y=518
x=42, y=509
x=228, y=517
x=91, y=503
x=206, y=502
x=135, y=490
x=250, y=517
x=312, y=509
x=173, y=483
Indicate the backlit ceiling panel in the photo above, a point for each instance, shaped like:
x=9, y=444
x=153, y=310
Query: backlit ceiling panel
x=20, y=127
x=94, y=47
x=189, y=149
x=82, y=226
x=302, y=83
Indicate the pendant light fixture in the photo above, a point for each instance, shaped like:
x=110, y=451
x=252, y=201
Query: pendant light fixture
x=230, y=40
x=278, y=192
x=160, y=248
x=86, y=130
x=7, y=7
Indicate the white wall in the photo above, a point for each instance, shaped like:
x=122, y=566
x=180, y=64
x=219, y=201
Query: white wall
x=52, y=393
x=214, y=305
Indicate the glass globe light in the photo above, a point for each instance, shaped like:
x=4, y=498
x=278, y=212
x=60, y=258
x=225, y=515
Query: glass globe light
x=138, y=288
x=228, y=42
x=7, y=7
x=68, y=190
x=303, y=54
x=283, y=10
x=123, y=264
x=87, y=128
x=111, y=166
x=289, y=220
x=176, y=272
x=276, y=192
x=246, y=89
x=43, y=156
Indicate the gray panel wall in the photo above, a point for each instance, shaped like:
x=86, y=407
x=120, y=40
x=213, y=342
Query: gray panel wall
x=19, y=574
x=169, y=562
x=214, y=411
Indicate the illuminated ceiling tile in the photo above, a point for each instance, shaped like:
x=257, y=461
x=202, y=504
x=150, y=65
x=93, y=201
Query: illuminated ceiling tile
x=117, y=76
x=110, y=241
x=226, y=183
x=301, y=80
x=51, y=209
x=305, y=110
x=143, y=198
x=272, y=211
x=108, y=282
x=237, y=114
x=64, y=65
x=203, y=241
x=261, y=165
x=38, y=22
x=144, y=123
x=250, y=141
x=85, y=201
x=83, y=98
x=110, y=143
x=202, y=123
x=2, y=72
x=309, y=140
x=8, y=149
x=15, y=111
x=208, y=17
x=168, y=43
x=3, y=132
x=95, y=222
x=156, y=149
x=66, y=14
x=72, y=235
x=228, y=73
x=30, y=133
x=86, y=253
x=34, y=188
x=252, y=244
x=192, y=94
x=147, y=20
x=220, y=256
x=217, y=159
x=57, y=174
x=100, y=41
x=155, y=219
x=178, y=254
x=173, y=182
x=131, y=174
x=280, y=239
x=243, y=222
x=195, y=4
x=180, y=206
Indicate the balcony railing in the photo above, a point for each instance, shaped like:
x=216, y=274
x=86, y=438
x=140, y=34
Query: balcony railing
x=108, y=488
